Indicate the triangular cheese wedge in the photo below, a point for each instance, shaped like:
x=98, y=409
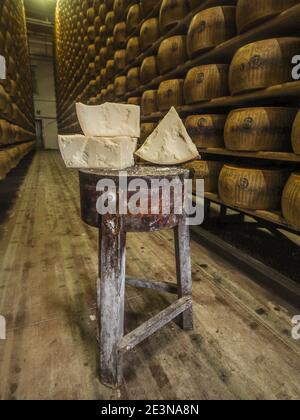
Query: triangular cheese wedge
x=169, y=144
x=81, y=152
x=109, y=120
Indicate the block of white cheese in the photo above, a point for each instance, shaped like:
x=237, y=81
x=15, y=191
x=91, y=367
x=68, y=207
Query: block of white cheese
x=169, y=144
x=81, y=152
x=109, y=120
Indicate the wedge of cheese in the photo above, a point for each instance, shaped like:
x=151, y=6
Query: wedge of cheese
x=109, y=120
x=81, y=152
x=169, y=144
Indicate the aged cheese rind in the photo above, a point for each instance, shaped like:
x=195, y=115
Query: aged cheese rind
x=109, y=120
x=81, y=152
x=169, y=144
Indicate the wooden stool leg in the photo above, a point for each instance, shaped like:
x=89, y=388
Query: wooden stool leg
x=183, y=267
x=111, y=297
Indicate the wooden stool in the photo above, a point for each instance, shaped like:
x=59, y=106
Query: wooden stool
x=111, y=285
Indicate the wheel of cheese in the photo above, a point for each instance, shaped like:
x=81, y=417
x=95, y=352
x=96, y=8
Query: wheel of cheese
x=120, y=35
x=263, y=64
x=119, y=58
x=110, y=22
x=120, y=86
x=134, y=18
x=206, y=130
x=251, y=188
x=149, y=33
x=4, y=164
x=147, y=6
x=132, y=49
x=148, y=69
x=296, y=135
x=103, y=55
x=259, y=129
x=254, y=12
x=208, y=170
x=113, y=89
x=170, y=93
x=204, y=83
x=149, y=102
x=103, y=33
x=133, y=79
x=110, y=69
x=291, y=200
x=119, y=9
x=171, y=53
x=110, y=47
x=210, y=28
x=171, y=13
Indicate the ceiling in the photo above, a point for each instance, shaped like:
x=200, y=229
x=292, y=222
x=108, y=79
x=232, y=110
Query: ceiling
x=40, y=16
x=40, y=9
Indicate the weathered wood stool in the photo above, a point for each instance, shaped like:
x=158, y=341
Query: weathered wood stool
x=111, y=284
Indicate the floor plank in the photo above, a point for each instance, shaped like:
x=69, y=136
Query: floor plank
x=241, y=347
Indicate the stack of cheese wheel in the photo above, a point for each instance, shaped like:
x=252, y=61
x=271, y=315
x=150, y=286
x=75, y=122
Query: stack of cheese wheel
x=206, y=82
x=206, y=130
x=263, y=64
x=291, y=201
x=296, y=135
x=171, y=53
x=210, y=28
x=259, y=129
x=170, y=93
x=208, y=170
x=251, y=188
x=149, y=102
x=254, y=12
x=171, y=13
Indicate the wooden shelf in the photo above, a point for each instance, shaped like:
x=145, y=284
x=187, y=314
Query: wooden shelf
x=269, y=217
x=280, y=93
x=277, y=156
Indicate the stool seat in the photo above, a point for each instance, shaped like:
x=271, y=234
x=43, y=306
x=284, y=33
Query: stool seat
x=151, y=215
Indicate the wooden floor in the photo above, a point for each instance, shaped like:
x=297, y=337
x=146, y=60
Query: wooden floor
x=241, y=347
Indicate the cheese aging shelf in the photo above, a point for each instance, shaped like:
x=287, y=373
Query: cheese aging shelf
x=206, y=58
x=17, y=128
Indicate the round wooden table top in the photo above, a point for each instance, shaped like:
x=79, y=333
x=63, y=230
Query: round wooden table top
x=138, y=171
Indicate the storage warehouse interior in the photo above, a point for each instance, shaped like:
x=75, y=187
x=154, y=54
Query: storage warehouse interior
x=68, y=328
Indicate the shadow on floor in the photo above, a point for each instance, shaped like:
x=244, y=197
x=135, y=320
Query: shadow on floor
x=10, y=186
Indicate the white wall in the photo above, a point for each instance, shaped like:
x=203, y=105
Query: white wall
x=44, y=98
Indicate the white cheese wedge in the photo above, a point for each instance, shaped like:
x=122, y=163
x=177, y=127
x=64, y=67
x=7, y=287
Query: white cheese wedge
x=169, y=144
x=109, y=120
x=81, y=152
